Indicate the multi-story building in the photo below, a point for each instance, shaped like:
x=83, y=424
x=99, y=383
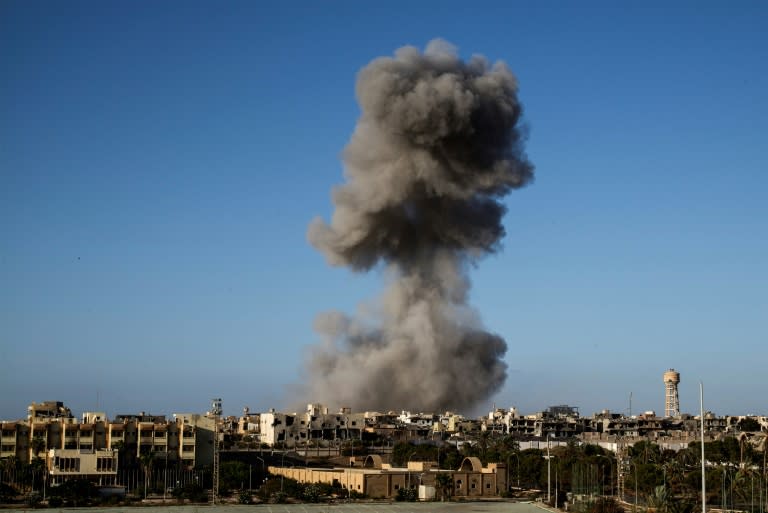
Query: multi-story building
x=98, y=448
x=316, y=424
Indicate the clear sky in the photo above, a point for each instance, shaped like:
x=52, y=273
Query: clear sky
x=160, y=163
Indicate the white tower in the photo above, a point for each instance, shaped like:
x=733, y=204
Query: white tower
x=672, y=400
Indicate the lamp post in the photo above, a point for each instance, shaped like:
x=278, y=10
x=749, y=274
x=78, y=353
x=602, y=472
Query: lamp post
x=635, y=476
x=408, y=467
x=517, y=457
x=263, y=472
x=165, y=470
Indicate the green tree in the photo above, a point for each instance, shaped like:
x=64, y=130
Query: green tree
x=645, y=452
x=233, y=475
x=192, y=492
x=533, y=468
x=75, y=492
x=749, y=424
x=8, y=493
x=444, y=485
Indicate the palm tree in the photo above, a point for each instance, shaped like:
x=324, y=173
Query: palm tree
x=9, y=467
x=147, y=460
x=37, y=467
x=660, y=499
x=483, y=443
x=743, y=486
x=37, y=444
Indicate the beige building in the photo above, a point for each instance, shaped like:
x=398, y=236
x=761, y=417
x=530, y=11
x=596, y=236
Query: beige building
x=99, y=465
x=99, y=448
x=379, y=480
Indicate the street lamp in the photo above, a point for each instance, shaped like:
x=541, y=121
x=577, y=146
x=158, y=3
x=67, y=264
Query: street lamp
x=408, y=467
x=517, y=457
x=263, y=472
x=635, y=466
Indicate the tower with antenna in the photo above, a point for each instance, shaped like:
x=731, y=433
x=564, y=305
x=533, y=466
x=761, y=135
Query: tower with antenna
x=671, y=399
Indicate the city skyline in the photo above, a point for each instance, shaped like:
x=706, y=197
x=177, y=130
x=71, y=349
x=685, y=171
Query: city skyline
x=235, y=411
x=160, y=166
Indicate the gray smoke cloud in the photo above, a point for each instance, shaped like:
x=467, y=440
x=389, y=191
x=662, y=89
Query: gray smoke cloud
x=437, y=145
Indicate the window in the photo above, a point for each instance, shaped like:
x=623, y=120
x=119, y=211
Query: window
x=188, y=448
x=488, y=486
x=86, y=433
x=397, y=487
x=473, y=486
x=117, y=434
x=67, y=464
x=8, y=448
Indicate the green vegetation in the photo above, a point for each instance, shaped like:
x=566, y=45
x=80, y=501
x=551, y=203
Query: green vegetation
x=663, y=480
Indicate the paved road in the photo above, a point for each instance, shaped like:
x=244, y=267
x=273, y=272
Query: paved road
x=395, y=507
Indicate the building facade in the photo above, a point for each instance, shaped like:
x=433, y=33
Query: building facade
x=378, y=480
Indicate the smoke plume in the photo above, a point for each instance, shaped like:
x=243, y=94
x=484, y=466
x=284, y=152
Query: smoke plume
x=437, y=145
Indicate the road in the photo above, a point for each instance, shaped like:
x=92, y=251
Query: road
x=357, y=507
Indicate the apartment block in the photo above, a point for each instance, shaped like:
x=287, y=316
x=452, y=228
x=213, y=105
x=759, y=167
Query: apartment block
x=98, y=448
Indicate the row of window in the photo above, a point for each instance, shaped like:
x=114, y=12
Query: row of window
x=105, y=464
x=148, y=434
x=9, y=433
x=65, y=464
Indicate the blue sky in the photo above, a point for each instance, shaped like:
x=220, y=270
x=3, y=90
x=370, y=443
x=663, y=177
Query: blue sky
x=160, y=163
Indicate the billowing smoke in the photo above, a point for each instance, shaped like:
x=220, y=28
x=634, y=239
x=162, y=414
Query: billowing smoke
x=437, y=145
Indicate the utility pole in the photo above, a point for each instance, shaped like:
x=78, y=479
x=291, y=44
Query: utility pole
x=549, y=472
x=216, y=413
x=703, y=460
x=620, y=466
